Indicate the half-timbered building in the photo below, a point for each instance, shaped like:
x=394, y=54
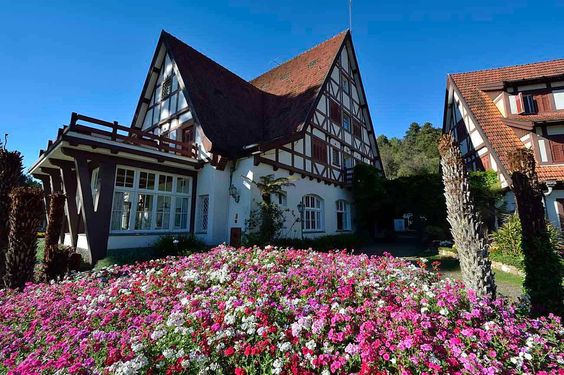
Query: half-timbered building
x=197, y=130
x=492, y=112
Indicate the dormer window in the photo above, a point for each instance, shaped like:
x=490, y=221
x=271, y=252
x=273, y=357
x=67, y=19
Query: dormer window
x=529, y=104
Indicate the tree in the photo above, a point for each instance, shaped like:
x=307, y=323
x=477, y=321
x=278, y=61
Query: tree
x=26, y=214
x=543, y=267
x=415, y=154
x=267, y=221
x=467, y=229
x=11, y=176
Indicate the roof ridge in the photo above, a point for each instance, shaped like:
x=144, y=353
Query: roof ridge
x=247, y=83
x=506, y=67
x=299, y=55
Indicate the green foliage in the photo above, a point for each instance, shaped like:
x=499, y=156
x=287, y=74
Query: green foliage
x=507, y=239
x=378, y=201
x=185, y=245
x=266, y=221
x=26, y=215
x=11, y=176
x=325, y=243
x=264, y=224
x=487, y=194
x=415, y=154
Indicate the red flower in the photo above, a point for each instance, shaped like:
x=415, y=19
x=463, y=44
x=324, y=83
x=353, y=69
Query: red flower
x=229, y=351
x=240, y=371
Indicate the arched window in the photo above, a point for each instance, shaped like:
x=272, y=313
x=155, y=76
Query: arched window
x=313, y=213
x=343, y=215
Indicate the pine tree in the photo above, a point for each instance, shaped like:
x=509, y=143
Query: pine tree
x=467, y=229
x=543, y=269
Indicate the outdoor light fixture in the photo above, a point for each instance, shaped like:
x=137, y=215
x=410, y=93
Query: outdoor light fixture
x=234, y=193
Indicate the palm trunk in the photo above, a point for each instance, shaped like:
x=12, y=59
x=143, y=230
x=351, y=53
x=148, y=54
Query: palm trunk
x=467, y=229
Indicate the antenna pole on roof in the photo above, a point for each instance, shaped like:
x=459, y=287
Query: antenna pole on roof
x=350, y=15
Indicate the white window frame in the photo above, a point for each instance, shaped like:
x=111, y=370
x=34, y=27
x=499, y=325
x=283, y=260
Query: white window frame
x=135, y=191
x=343, y=207
x=313, y=213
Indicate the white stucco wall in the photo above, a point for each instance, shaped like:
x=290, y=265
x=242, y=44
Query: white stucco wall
x=552, y=208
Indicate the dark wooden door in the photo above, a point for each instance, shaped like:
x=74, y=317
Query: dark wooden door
x=235, y=237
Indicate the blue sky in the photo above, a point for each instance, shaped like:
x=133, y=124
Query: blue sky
x=92, y=57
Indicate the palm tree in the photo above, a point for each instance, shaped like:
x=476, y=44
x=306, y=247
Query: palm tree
x=467, y=229
x=268, y=185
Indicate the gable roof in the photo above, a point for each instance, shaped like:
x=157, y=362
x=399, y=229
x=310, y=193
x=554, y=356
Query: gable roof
x=472, y=87
x=234, y=113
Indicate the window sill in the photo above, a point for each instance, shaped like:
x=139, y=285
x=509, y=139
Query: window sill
x=344, y=230
x=313, y=231
x=148, y=232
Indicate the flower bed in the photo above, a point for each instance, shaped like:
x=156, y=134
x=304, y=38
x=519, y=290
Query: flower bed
x=268, y=311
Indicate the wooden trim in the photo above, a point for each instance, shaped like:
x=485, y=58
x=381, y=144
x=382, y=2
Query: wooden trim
x=303, y=173
x=193, y=203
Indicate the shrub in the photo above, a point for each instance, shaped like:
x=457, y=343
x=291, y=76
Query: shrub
x=185, y=245
x=507, y=239
x=264, y=224
x=26, y=215
x=62, y=259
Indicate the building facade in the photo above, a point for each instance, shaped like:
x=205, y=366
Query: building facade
x=492, y=112
x=197, y=131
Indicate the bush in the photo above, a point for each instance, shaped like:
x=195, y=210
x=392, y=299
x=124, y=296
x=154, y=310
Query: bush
x=339, y=241
x=185, y=245
x=507, y=239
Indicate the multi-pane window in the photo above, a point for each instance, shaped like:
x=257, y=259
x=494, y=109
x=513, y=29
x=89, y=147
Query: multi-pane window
x=318, y=150
x=343, y=215
x=345, y=84
x=181, y=213
x=146, y=201
x=121, y=210
x=336, y=157
x=144, y=211
x=203, y=204
x=357, y=129
x=346, y=122
x=313, y=213
x=335, y=112
x=558, y=99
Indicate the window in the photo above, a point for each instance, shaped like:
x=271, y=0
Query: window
x=345, y=84
x=204, y=202
x=149, y=201
x=343, y=215
x=181, y=214
x=121, y=210
x=346, y=122
x=182, y=185
x=336, y=159
x=146, y=180
x=348, y=161
x=124, y=177
x=357, y=129
x=335, y=112
x=313, y=213
x=559, y=99
x=144, y=211
x=167, y=86
x=529, y=103
x=319, y=150
x=165, y=183
x=280, y=199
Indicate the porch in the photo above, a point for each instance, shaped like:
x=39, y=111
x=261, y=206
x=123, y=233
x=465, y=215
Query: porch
x=91, y=162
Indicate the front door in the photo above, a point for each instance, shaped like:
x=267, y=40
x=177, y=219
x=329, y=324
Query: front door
x=235, y=237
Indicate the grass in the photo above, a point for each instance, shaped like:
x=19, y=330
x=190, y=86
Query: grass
x=507, y=284
x=126, y=256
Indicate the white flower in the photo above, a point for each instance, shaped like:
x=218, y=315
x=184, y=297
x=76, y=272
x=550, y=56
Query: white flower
x=311, y=344
x=277, y=366
x=285, y=346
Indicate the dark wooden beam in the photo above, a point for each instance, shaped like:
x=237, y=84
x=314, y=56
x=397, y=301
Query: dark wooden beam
x=69, y=177
x=55, y=175
x=193, y=204
x=96, y=220
x=101, y=158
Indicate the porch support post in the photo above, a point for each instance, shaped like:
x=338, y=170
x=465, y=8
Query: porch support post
x=96, y=222
x=71, y=209
x=55, y=175
x=46, y=182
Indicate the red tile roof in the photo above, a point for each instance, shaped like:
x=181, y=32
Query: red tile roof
x=501, y=137
x=234, y=113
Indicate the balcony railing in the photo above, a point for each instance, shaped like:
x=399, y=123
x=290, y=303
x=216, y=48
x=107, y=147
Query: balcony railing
x=122, y=134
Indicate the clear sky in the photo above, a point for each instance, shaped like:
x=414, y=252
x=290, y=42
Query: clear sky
x=92, y=57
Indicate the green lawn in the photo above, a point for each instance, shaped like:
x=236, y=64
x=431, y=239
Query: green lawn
x=507, y=284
